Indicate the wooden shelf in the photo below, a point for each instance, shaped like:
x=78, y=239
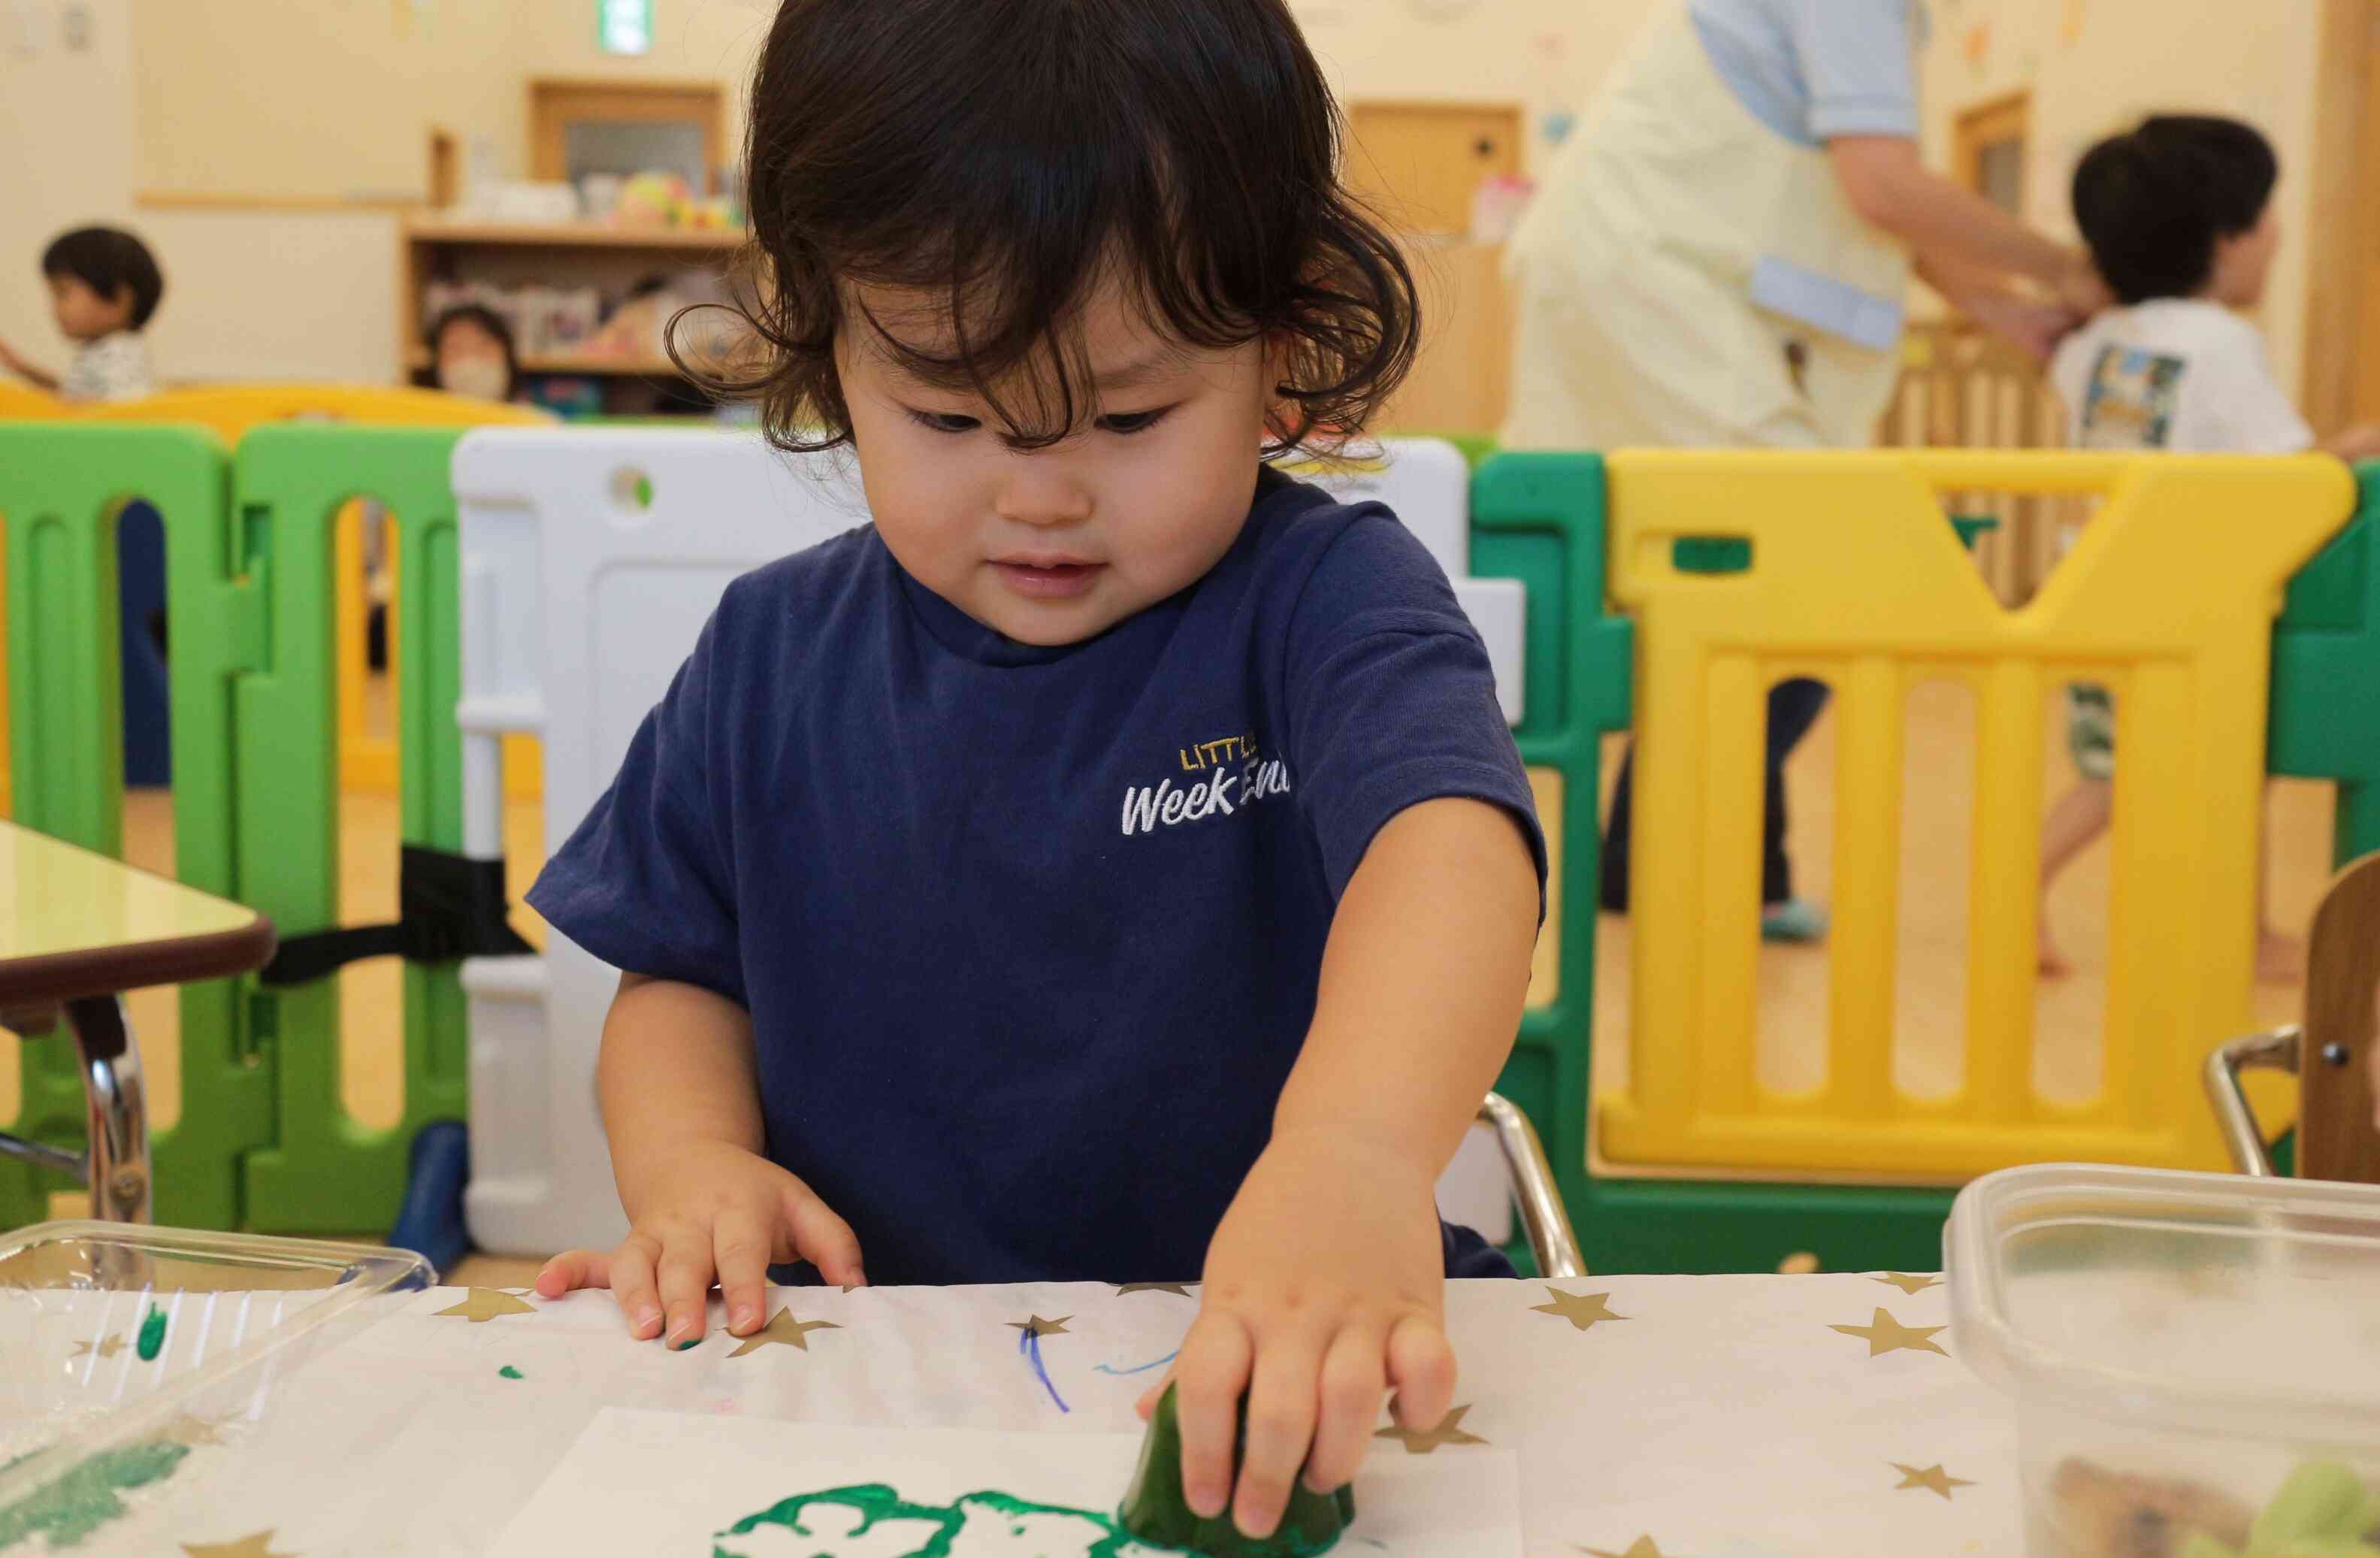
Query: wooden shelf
x=580, y=235
x=568, y=362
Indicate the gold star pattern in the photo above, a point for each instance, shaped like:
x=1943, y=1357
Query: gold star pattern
x=1584, y=1310
x=1932, y=1478
x=192, y=1432
x=1450, y=1432
x=1033, y=1326
x=1885, y=1334
x=485, y=1304
x=1180, y=1288
x=106, y=1346
x=257, y=1546
x=1641, y=1548
x=783, y=1330
x=1909, y=1284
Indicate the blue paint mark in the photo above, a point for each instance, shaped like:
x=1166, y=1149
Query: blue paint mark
x=1103, y=1368
x=1029, y=1343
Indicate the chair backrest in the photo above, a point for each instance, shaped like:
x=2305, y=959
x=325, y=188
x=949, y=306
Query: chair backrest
x=2337, y=1135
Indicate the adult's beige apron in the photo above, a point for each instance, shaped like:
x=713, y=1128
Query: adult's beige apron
x=1634, y=277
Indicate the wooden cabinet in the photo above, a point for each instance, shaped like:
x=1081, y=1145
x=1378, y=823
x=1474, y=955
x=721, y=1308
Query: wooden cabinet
x=609, y=259
x=1461, y=380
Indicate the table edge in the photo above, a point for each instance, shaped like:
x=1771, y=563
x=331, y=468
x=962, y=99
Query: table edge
x=48, y=978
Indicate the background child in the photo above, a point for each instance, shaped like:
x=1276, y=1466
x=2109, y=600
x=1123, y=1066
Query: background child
x=104, y=286
x=471, y=353
x=1112, y=863
x=2179, y=216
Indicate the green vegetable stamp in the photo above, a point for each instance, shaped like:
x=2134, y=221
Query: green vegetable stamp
x=1156, y=1511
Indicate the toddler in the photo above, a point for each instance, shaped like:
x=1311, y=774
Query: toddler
x=2179, y=216
x=1111, y=863
x=104, y=290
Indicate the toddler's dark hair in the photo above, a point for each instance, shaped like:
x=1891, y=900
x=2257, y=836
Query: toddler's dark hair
x=107, y=258
x=2152, y=202
x=1004, y=157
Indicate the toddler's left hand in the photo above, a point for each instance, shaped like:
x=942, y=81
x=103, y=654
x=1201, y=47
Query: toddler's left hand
x=1325, y=1287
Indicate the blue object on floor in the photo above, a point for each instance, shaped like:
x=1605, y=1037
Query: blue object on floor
x=141, y=600
x=1795, y=919
x=431, y=1222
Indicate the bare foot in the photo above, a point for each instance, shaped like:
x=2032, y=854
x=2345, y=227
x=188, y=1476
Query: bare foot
x=2279, y=959
x=2053, y=962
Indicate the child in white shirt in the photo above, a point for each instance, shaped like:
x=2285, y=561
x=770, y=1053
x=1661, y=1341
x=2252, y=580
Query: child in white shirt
x=2179, y=216
x=104, y=287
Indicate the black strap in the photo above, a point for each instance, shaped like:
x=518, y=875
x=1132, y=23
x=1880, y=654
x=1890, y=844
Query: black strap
x=449, y=907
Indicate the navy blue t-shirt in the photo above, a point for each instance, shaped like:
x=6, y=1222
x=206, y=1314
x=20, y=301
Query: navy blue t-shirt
x=1030, y=936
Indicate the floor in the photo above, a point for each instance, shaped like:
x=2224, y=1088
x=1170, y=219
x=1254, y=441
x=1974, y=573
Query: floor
x=1792, y=981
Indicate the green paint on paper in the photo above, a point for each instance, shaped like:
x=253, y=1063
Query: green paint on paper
x=851, y=1514
x=82, y=1500
x=877, y=1523
x=152, y=1334
x=509, y=1372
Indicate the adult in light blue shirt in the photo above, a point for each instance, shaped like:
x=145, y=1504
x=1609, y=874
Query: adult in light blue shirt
x=1719, y=255
x=1815, y=71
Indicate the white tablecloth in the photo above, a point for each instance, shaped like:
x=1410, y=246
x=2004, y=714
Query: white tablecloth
x=1709, y=1416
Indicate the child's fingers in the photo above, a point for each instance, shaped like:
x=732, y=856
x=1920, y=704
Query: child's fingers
x=685, y=1272
x=572, y=1270
x=632, y=1284
x=1421, y=1371
x=1354, y=1378
x=1209, y=1375
x=822, y=1238
x=1281, y=1429
x=740, y=1247
x=1146, y=1405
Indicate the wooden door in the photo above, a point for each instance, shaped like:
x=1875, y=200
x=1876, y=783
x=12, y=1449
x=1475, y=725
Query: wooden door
x=1418, y=163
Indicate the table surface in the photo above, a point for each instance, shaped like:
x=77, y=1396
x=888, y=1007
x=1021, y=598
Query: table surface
x=1649, y=1417
x=74, y=924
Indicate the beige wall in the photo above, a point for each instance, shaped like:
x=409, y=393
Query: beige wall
x=1546, y=54
x=335, y=97
x=66, y=154
x=2094, y=65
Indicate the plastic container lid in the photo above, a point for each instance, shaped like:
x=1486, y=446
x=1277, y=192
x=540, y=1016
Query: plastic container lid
x=111, y=1334
x=2195, y=1302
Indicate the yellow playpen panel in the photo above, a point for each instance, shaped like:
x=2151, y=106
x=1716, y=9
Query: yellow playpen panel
x=1853, y=576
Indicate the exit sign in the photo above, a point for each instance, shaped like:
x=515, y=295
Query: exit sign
x=628, y=26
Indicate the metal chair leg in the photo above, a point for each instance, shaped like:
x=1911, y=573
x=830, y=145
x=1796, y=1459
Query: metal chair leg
x=1543, y=1217
x=118, y=1168
x=2279, y=1049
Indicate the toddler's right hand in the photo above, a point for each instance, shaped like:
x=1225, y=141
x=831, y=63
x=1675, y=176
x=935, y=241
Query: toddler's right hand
x=713, y=1212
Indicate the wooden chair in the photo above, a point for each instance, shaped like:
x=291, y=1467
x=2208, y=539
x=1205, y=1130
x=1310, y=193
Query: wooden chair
x=2334, y=1053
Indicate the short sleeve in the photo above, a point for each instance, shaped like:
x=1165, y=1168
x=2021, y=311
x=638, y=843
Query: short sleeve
x=1390, y=698
x=1859, y=61
x=647, y=882
x=2247, y=410
x=2070, y=375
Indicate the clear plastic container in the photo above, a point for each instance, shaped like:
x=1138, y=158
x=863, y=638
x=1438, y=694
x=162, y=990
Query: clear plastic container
x=122, y=1347
x=2189, y=1352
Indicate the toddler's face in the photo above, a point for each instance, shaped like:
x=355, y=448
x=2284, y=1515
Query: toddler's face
x=471, y=361
x=1056, y=545
x=82, y=314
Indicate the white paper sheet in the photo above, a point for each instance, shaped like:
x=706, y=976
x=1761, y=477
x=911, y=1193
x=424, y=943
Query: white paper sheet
x=668, y=1482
